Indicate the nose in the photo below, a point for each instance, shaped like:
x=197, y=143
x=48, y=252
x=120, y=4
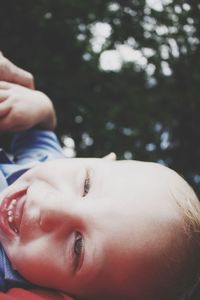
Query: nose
x=59, y=213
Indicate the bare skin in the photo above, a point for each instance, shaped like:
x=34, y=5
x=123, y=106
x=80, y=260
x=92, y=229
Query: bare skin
x=22, y=108
x=11, y=73
x=91, y=224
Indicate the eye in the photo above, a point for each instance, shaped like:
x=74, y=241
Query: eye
x=78, y=250
x=78, y=244
x=86, y=187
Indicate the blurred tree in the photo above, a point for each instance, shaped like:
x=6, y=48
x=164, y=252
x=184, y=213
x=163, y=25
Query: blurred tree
x=149, y=108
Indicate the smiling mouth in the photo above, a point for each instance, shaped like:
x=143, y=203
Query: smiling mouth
x=11, y=211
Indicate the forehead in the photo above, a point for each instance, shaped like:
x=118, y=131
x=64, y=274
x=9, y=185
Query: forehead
x=138, y=181
x=135, y=182
x=128, y=185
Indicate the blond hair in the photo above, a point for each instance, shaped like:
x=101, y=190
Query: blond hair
x=188, y=205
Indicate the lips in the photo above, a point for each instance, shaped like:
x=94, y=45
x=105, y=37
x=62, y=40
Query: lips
x=11, y=212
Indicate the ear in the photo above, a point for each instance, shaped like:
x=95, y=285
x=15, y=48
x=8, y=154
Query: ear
x=110, y=156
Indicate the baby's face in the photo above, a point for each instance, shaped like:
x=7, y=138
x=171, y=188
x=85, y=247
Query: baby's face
x=89, y=226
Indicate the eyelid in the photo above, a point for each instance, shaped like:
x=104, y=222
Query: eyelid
x=87, y=180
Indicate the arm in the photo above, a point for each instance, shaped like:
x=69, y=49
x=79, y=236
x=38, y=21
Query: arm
x=21, y=109
x=11, y=73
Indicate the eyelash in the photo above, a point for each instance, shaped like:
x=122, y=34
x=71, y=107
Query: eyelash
x=86, y=187
x=78, y=244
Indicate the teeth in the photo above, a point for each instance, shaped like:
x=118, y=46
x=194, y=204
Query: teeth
x=10, y=219
x=10, y=212
x=12, y=204
x=15, y=230
x=10, y=207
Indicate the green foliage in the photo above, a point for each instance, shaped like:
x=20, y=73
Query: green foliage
x=149, y=115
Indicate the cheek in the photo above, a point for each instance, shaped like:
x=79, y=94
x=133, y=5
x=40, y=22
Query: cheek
x=23, y=259
x=40, y=262
x=29, y=258
x=32, y=264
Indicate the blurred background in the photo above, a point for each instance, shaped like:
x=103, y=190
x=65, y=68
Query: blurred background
x=124, y=75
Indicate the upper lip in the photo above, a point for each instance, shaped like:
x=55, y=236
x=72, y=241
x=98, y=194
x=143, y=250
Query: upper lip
x=17, y=210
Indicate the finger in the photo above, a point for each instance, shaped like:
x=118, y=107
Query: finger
x=3, y=95
x=4, y=85
x=10, y=72
x=5, y=107
x=110, y=156
x=22, y=77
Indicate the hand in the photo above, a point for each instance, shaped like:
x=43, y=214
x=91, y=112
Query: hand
x=22, y=108
x=12, y=73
